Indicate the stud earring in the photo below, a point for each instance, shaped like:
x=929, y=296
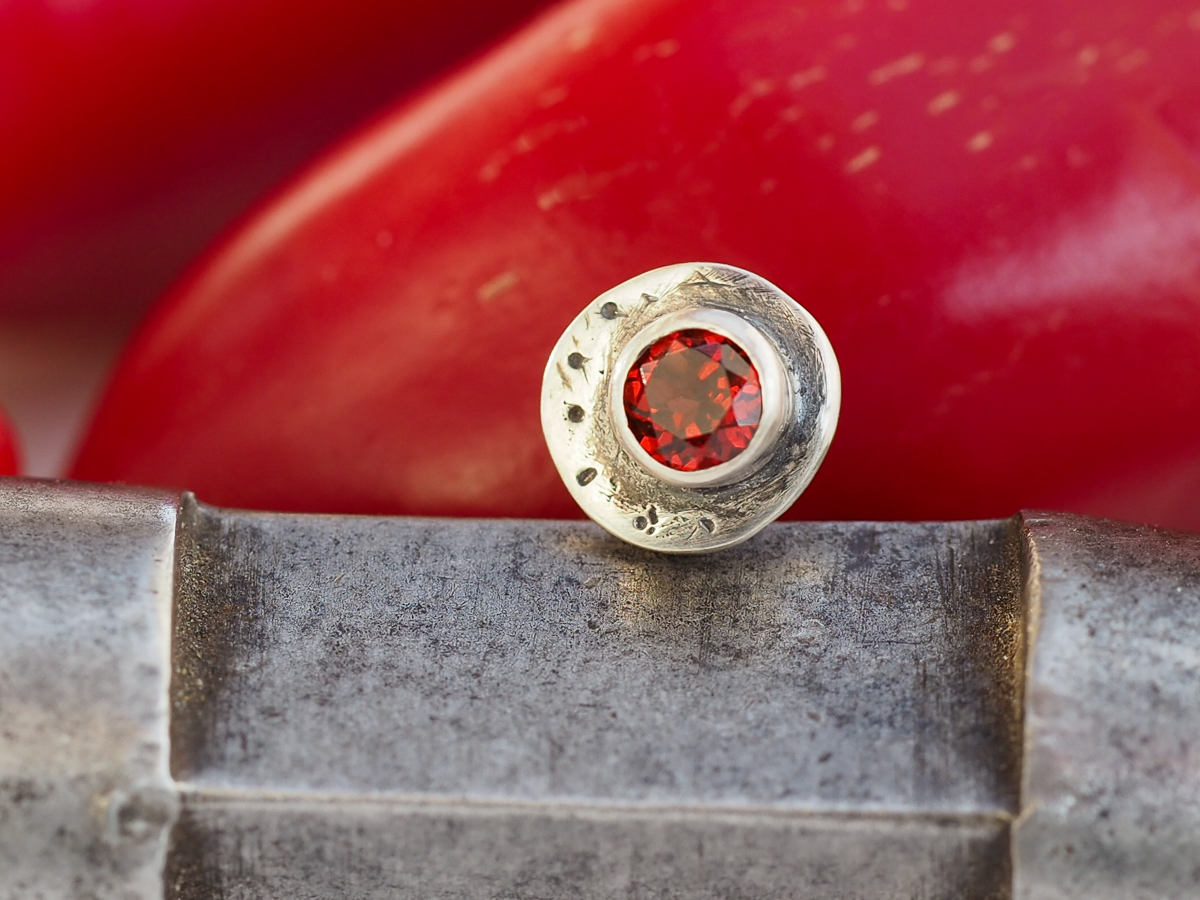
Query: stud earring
x=688, y=407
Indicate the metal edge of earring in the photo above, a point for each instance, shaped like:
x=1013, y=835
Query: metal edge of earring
x=582, y=415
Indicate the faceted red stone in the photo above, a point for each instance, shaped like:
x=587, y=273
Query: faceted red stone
x=693, y=400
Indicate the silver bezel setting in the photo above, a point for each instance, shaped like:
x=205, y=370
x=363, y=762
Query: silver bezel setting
x=764, y=356
x=616, y=482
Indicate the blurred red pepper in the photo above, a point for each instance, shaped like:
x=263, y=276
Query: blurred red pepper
x=8, y=449
x=134, y=130
x=995, y=214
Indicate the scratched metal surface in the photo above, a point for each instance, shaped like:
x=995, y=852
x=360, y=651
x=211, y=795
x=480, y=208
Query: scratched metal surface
x=86, y=802
x=1112, y=772
x=459, y=709
x=830, y=698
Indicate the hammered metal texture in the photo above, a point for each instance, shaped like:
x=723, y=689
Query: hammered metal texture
x=615, y=490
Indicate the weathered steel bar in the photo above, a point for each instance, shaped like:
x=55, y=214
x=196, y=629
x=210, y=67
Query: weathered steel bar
x=467, y=708
x=86, y=798
x=377, y=707
x=1111, y=795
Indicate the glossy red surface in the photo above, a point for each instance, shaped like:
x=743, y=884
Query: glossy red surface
x=135, y=130
x=995, y=216
x=8, y=449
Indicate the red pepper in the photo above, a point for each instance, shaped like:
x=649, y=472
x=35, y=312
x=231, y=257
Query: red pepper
x=8, y=449
x=995, y=215
x=134, y=130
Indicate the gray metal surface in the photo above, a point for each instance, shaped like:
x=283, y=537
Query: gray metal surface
x=1112, y=768
x=829, y=711
x=848, y=667
x=307, y=848
x=86, y=800
x=372, y=708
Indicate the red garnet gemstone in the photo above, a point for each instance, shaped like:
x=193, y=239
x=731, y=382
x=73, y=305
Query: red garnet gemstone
x=693, y=400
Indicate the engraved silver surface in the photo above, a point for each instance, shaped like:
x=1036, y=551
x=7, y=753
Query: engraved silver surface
x=619, y=485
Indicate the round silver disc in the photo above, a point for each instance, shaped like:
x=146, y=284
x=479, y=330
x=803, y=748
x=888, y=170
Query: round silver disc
x=623, y=487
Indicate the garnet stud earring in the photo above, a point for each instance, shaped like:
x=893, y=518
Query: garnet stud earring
x=688, y=407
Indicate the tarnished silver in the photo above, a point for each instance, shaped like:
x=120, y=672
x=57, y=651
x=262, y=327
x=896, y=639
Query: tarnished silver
x=616, y=482
x=369, y=707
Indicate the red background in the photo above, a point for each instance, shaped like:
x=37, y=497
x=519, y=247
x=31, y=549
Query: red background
x=995, y=216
